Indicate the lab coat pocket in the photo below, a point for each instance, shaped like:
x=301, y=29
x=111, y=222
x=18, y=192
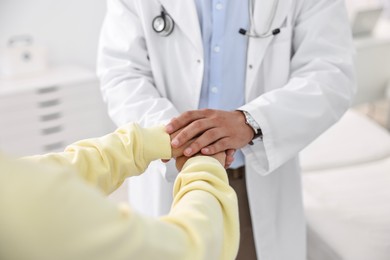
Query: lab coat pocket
x=277, y=60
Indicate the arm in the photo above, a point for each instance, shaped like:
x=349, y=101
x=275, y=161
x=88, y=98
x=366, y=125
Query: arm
x=125, y=72
x=74, y=221
x=107, y=161
x=218, y=130
x=204, y=177
x=319, y=90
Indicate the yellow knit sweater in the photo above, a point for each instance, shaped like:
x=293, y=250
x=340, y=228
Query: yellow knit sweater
x=52, y=207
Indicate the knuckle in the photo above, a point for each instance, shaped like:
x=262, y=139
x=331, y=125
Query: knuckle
x=211, y=149
x=223, y=143
x=183, y=135
x=196, y=146
x=212, y=135
x=187, y=114
x=198, y=124
x=174, y=121
x=207, y=111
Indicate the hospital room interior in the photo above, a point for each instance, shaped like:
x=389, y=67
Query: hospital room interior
x=50, y=97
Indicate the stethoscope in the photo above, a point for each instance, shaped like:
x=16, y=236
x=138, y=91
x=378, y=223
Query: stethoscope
x=268, y=32
x=163, y=24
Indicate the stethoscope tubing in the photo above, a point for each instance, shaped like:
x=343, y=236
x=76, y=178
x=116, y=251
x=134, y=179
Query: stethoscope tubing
x=169, y=24
x=268, y=32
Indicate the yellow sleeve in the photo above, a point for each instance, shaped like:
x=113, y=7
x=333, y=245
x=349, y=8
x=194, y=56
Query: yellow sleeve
x=107, y=161
x=47, y=213
x=205, y=207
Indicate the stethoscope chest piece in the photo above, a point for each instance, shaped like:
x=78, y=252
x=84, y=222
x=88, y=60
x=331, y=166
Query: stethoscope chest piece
x=163, y=24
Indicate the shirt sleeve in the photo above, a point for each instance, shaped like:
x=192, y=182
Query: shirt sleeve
x=319, y=89
x=107, y=161
x=206, y=207
x=50, y=213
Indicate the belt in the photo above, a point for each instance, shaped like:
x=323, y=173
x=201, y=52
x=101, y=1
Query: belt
x=237, y=173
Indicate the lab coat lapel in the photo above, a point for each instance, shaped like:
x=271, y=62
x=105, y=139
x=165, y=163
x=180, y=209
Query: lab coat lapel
x=258, y=46
x=183, y=13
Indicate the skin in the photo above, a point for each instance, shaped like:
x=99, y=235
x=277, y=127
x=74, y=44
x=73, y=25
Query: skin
x=211, y=131
x=178, y=152
x=181, y=160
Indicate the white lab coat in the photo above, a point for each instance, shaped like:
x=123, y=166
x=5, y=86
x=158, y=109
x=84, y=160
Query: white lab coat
x=298, y=83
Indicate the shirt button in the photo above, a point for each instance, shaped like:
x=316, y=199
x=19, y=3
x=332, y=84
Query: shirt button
x=217, y=48
x=219, y=6
x=214, y=90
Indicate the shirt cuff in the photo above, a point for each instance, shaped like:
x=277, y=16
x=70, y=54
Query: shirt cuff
x=157, y=143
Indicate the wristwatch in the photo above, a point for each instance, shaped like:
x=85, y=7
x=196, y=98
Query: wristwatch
x=249, y=120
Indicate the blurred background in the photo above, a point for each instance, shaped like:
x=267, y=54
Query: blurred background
x=69, y=30
x=50, y=97
x=49, y=93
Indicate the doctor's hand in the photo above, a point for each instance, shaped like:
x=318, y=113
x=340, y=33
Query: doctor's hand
x=213, y=131
x=180, y=161
x=179, y=151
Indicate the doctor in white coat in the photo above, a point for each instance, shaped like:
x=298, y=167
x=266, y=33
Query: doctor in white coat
x=298, y=83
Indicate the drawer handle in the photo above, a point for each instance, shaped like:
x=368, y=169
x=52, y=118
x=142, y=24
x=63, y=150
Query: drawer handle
x=50, y=117
x=53, y=146
x=52, y=130
x=47, y=90
x=49, y=103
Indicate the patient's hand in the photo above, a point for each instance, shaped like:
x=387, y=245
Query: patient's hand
x=181, y=160
x=221, y=157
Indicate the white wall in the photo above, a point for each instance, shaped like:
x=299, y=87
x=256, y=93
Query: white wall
x=69, y=29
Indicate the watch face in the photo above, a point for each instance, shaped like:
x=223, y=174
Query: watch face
x=251, y=122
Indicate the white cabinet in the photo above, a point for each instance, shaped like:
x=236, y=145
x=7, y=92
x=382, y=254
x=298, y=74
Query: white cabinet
x=46, y=112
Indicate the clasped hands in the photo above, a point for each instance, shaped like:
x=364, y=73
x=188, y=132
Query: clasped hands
x=211, y=132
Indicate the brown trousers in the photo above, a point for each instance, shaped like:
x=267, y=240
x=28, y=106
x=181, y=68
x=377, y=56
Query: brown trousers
x=247, y=250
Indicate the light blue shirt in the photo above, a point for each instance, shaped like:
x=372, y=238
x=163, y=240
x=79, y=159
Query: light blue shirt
x=225, y=52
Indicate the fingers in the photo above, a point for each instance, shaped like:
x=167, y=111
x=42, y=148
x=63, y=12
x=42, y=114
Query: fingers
x=185, y=119
x=221, y=157
x=227, y=163
x=230, y=152
x=207, y=138
x=229, y=157
x=191, y=131
x=220, y=145
x=179, y=151
x=176, y=152
x=211, y=131
x=181, y=160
